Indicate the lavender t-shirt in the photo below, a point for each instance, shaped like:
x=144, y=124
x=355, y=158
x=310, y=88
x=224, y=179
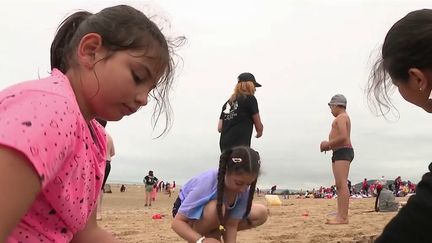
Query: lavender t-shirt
x=198, y=191
x=42, y=120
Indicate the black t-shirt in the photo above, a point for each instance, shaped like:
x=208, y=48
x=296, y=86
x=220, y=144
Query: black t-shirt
x=413, y=222
x=150, y=180
x=237, y=121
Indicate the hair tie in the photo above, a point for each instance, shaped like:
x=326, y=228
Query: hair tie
x=221, y=228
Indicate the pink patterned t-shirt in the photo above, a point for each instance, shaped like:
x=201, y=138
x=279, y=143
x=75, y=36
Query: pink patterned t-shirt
x=42, y=120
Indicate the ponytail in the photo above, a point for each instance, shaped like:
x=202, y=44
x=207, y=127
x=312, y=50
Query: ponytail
x=221, y=185
x=250, y=199
x=61, y=45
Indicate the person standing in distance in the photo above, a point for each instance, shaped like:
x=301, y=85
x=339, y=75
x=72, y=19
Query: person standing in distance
x=149, y=181
x=239, y=114
x=343, y=153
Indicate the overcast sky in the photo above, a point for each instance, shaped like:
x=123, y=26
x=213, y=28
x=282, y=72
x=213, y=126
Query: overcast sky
x=302, y=52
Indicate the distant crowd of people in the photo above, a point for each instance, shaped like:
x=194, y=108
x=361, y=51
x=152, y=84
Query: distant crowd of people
x=399, y=188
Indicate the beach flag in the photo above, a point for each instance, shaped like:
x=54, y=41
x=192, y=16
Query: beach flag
x=273, y=200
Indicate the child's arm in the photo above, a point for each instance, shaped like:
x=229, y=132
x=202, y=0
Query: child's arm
x=231, y=226
x=181, y=226
x=93, y=233
x=19, y=185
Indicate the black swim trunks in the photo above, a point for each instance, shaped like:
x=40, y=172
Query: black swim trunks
x=343, y=154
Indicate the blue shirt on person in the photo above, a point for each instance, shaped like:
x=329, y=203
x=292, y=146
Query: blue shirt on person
x=198, y=191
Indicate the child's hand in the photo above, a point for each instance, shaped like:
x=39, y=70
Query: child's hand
x=324, y=146
x=211, y=240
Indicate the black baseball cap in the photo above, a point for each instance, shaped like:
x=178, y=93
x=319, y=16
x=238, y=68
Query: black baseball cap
x=246, y=77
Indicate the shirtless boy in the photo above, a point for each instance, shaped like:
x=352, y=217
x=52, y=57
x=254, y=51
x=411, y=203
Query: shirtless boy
x=343, y=153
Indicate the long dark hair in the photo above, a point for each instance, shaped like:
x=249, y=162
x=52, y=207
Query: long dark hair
x=227, y=163
x=122, y=28
x=408, y=44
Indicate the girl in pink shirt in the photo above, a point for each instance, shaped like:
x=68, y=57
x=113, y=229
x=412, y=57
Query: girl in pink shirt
x=52, y=151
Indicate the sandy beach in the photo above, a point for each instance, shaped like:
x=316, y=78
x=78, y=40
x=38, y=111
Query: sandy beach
x=124, y=215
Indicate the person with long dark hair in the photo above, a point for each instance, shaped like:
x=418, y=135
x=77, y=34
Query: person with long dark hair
x=405, y=63
x=218, y=203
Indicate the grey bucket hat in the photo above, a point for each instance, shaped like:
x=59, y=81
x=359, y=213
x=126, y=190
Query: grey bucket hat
x=338, y=99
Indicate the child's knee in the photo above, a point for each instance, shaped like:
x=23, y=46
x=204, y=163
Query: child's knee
x=259, y=215
x=341, y=185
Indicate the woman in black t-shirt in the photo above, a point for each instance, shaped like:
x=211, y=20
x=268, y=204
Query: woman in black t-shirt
x=239, y=114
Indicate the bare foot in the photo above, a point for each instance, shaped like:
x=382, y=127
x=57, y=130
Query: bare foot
x=336, y=221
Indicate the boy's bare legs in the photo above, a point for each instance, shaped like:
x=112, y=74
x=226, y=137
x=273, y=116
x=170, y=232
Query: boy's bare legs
x=340, y=172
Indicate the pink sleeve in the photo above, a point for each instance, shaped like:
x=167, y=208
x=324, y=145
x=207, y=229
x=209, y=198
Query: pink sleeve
x=42, y=126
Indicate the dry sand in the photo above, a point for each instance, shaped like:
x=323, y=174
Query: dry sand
x=124, y=215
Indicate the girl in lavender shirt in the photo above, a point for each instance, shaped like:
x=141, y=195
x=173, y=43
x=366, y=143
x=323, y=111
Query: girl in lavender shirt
x=218, y=202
